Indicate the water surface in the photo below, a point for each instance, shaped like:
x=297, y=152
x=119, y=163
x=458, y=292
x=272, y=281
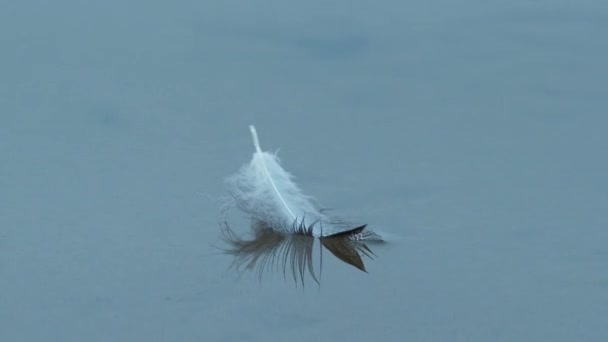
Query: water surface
x=472, y=134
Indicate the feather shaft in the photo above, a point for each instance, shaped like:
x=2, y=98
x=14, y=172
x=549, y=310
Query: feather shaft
x=258, y=149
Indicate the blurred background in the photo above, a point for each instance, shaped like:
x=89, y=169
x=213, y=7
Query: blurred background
x=472, y=134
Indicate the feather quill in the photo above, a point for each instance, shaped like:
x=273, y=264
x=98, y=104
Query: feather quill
x=268, y=193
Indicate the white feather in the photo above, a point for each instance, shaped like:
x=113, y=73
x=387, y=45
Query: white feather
x=265, y=191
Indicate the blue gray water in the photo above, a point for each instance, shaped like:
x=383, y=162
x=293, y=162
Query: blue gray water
x=472, y=134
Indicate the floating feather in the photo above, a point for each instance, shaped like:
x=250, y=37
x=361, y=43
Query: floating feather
x=268, y=194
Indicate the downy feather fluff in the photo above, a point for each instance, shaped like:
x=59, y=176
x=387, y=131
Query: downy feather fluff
x=267, y=193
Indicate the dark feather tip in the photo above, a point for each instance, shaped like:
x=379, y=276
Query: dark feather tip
x=353, y=231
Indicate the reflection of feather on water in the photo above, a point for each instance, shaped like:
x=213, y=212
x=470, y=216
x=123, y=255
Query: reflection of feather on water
x=267, y=193
x=269, y=250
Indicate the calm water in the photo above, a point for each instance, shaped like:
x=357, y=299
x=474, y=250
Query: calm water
x=472, y=134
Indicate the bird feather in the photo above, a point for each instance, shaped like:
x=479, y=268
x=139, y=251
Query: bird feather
x=268, y=193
